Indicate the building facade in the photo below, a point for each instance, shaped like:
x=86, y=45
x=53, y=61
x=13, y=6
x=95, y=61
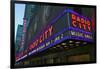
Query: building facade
x=59, y=30
x=18, y=38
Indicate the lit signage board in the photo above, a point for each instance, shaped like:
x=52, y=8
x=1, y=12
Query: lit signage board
x=68, y=25
x=80, y=22
x=81, y=27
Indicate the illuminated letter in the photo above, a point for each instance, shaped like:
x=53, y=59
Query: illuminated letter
x=41, y=38
x=89, y=28
x=50, y=30
x=88, y=23
x=46, y=33
x=73, y=16
x=36, y=42
x=31, y=47
x=84, y=25
x=74, y=23
x=78, y=19
x=80, y=25
x=82, y=20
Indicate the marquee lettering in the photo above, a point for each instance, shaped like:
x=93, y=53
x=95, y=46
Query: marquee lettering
x=80, y=22
x=42, y=37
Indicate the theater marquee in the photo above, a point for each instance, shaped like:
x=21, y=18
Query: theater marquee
x=76, y=26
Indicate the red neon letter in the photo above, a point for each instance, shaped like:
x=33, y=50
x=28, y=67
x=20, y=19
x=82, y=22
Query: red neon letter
x=31, y=47
x=80, y=25
x=84, y=25
x=89, y=28
x=74, y=23
x=82, y=20
x=73, y=16
x=41, y=38
x=50, y=30
x=36, y=42
x=78, y=19
x=88, y=23
x=46, y=33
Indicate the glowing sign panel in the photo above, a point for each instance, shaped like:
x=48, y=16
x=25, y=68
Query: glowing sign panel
x=80, y=34
x=80, y=22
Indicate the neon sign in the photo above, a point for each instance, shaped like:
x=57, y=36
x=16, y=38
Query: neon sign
x=42, y=37
x=80, y=29
x=80, y=34
x=80, y=22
